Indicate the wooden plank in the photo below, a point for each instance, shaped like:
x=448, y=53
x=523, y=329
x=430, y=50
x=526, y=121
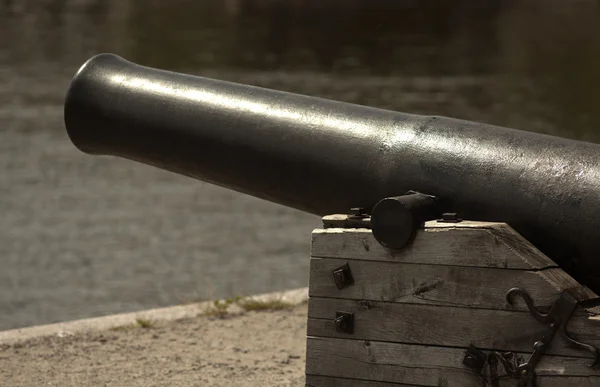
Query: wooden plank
x=569, y=381
x=345, y=221
x=444, y=326
x=349, y=221
x=326, y=381
x=542, y=381
x=388, y=363
x=477, y=247
x=514, y=241
x=437, y=284
x=463, y=224
x=418, y=364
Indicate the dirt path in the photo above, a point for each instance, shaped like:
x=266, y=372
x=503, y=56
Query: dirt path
x=250, y=349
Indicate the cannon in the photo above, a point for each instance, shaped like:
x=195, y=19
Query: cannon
x=397, y=278
x=324, y=157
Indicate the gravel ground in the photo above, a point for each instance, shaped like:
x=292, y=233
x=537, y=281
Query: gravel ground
x=253, y=349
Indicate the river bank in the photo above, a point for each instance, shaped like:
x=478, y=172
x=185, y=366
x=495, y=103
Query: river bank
x=180, y=346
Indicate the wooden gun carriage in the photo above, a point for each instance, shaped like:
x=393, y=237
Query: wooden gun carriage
x=435, y=313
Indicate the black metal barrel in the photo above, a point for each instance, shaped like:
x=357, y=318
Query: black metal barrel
x=322, y=156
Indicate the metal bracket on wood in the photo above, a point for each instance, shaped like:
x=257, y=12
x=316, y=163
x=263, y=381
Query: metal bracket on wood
x=450, y=217
x=358, y=213
x=556, y=321
x=344, y=322
x=342, y=276
x=475, y=359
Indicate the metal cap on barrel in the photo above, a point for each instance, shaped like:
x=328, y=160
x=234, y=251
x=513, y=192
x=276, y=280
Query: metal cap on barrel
x=395, y=220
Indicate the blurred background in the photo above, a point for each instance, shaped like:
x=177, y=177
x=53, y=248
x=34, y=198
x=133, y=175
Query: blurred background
x=84, y=236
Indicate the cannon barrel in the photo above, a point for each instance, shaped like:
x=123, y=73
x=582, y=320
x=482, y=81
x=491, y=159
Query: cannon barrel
x=323, y=157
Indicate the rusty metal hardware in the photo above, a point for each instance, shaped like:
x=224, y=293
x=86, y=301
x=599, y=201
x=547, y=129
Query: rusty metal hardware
x=344, y=322
x=475, y=359
x=343, y=276
x=556, y=321
x=358, y=213
x=450, y=217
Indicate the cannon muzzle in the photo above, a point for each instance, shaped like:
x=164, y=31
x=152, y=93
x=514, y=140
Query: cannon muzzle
x=323, y=157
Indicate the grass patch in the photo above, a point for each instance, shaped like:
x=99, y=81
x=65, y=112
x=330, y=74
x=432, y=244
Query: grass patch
x=139, y=323
x=144, y=322
x=124, y=328
x=253, y=305
x=220, y=308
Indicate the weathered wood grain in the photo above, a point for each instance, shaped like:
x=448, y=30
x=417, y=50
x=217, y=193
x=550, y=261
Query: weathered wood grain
x=542, y=381
x=463, y=224
x=515, y=242
x=327, y=381
x=438, y=284
x=422, y=365
x=569, y=381
x=560, y=280
x=444, y=326
x=345, y=221
x=387, y=362
x=349, y=221
x=497, y=246
x=417, y=309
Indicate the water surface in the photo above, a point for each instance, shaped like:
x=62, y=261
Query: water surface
x=85, y=236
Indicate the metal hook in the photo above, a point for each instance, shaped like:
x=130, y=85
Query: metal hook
x=540, y=317
x=558, y=318
x=580, y=345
